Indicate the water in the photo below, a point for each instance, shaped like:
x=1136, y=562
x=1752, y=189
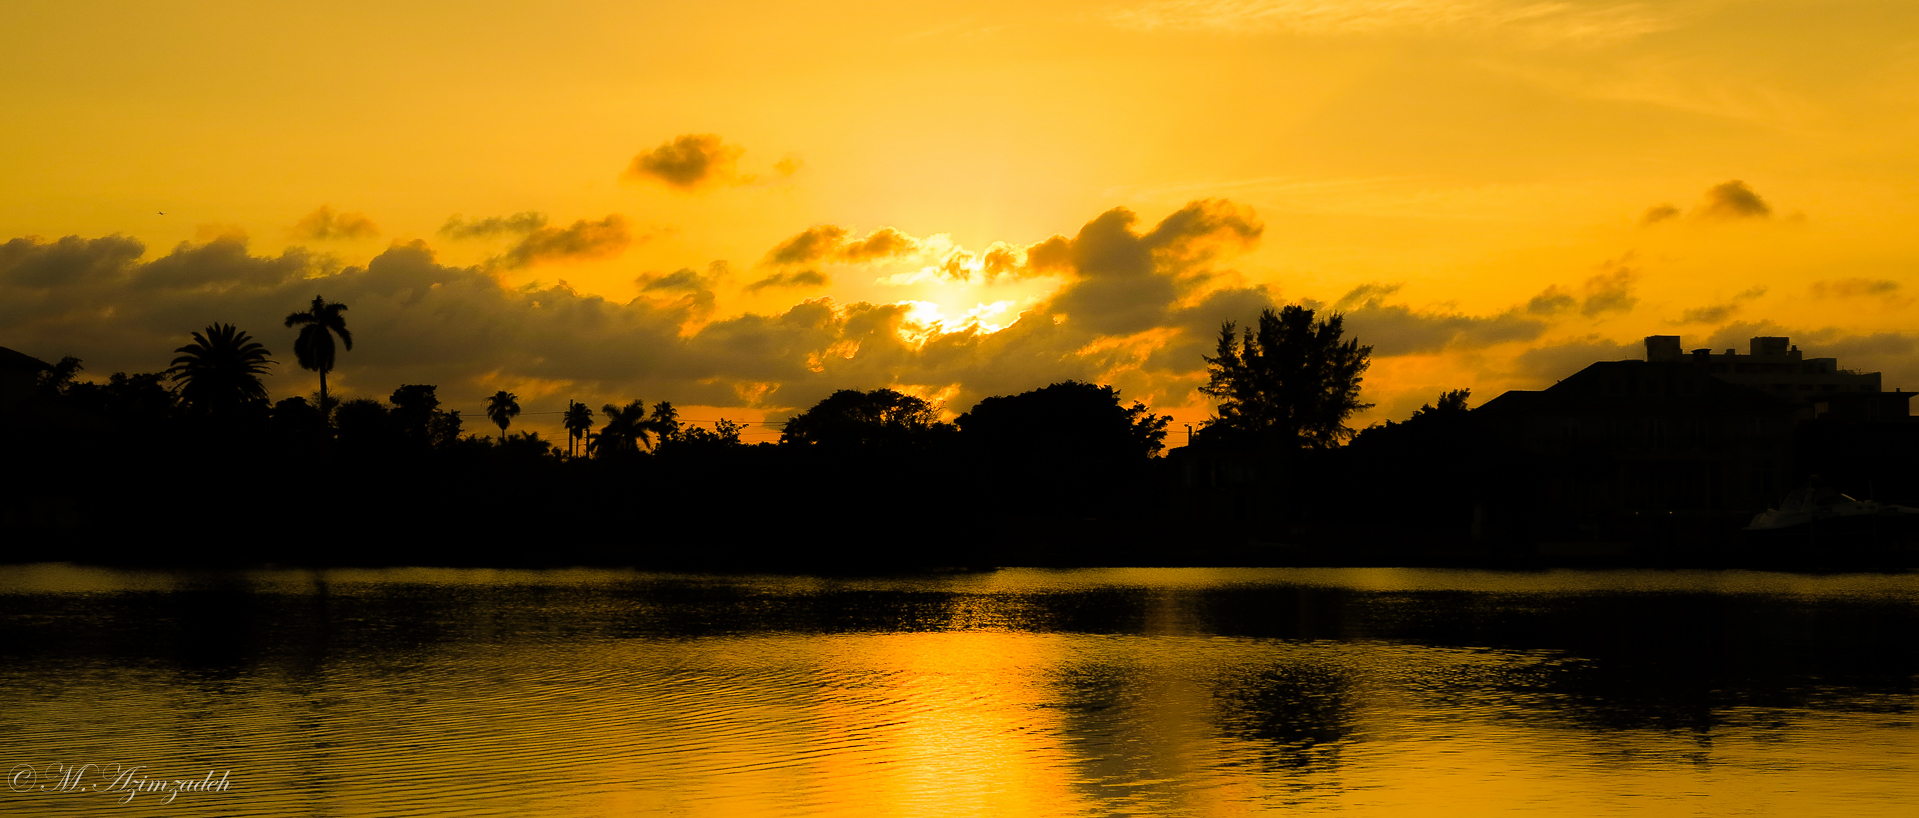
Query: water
x=1095, y=692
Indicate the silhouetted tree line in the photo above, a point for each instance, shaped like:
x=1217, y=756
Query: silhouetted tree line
x=200, y=450
x=1065, y=473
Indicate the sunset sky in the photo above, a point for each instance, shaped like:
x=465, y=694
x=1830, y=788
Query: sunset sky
x=743, y=206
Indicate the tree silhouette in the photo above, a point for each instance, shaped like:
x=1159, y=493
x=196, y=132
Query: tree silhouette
x=880, y=418
x=578, y=422
x=1071, y=420
x=1291, y=382
x=414, y=407
x=502, y=408
x=665, y=421
x=220, y=370
x=56, y=380
x=314, y=346
x=625, y=430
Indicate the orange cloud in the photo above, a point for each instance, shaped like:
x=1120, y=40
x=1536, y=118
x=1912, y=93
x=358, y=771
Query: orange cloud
x=689, y=162
x=324, y=224
x=582, y=240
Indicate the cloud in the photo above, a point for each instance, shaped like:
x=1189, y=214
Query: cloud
x=689, y=162
x=1715, y=313
x=325, y=224
x=1556, y=361
x=1398, y=329
x=1365, y=294
x=517, y=224
x=1531, y=20
x=1551, y=301
x=1659, y=213
x=1610, y=291
x=1854, y=288
x=803, y=278
x=1729, y=201
x=883, y=243
x=811, y=245
x=1130, y=313
x=1137, y=307
x=685, y=278
x=1123, y=281
x=583, y=240
x=1724, y=202
x=829, y=242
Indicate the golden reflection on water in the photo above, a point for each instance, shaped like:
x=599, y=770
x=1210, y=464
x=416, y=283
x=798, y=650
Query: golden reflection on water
x=423, y=692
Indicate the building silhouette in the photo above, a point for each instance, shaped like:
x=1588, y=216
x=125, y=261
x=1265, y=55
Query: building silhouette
x=1638, y=437
x=1772, y=365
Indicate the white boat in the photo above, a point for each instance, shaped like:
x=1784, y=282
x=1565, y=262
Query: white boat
x=1817, y=505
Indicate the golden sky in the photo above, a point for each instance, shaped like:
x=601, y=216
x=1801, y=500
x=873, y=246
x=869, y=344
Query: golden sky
x=752, y=204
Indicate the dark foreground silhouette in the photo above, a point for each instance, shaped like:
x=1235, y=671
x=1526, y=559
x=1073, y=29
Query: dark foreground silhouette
x=1061, y=476
x=1640, y=463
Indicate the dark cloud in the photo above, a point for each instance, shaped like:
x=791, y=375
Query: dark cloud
x=1708, y=315
x=685, y=278
x=1365, y=293
x=517, y=224
x=1731, y=200
x=812, y=244
x=1659, y=213
x=1553, y=362
x=1854, y=288
x=883, y=243
x=416, y=320
x=1125, y=282
x=582, y=240
x=1398, y=329
x=1715, y=313
x=26, y=263
x=688, y=162
x=1200, y=323
x=1739, y=334
x=802, y=278
x=1551, y=301
x=828, y=242
x=324, y=224
x=1611, y=290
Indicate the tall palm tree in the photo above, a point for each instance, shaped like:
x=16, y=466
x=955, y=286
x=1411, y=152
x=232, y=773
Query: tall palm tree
x=626, y=428
x=220, y=369
x=501, y=409
x=578, y=421
x=665, y=421
x=314, y=347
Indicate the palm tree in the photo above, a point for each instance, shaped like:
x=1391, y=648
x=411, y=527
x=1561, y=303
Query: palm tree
x=220, y=369
x=501, y=409
x=578, y=421
x=314, y=347
x=665, y=422
x=626, y=428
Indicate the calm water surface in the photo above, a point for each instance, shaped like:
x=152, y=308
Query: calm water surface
x=1094, y=692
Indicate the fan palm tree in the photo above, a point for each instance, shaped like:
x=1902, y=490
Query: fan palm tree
x=314, y=347
x=501, y=409
x=578, y=421
x=665, y=421
x=625, y=430
x=220, y=369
